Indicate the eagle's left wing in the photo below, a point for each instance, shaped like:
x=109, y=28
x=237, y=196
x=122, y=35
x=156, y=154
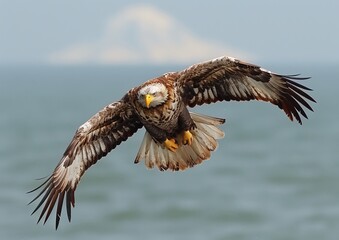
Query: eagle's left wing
x=226, y=78
x=93, y=140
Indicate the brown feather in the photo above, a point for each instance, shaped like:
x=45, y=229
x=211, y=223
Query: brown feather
x=230, y=79
x=93, y=140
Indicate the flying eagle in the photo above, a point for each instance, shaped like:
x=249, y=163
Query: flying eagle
x=175, y=138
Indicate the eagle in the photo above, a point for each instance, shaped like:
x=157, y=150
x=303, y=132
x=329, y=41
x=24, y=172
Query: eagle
x=175, y=139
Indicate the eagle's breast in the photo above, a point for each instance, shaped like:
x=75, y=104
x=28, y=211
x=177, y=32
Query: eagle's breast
x=164, y=116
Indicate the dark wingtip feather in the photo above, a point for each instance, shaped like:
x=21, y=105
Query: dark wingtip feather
x=59, y=209
x=68, y=205
x=51, y=203
x=50, y=194
x=293, y=76
x=39, y=185
x=49, y=189
x=297, y=96
x=299, y=85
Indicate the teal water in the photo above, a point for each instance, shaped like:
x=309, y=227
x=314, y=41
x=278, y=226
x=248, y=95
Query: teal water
x=269, y=178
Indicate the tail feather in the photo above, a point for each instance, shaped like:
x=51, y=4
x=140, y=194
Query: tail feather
x=211, y=131
x=204, y=142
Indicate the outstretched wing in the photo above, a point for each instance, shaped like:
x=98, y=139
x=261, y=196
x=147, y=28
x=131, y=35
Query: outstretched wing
x=93, y=140
x=226, y=78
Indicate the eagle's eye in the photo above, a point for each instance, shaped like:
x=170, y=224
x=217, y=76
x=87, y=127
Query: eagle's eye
x=157, y=94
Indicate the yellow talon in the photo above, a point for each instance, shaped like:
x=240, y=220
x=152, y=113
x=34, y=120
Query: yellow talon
x=171, y=145
x=187, y=138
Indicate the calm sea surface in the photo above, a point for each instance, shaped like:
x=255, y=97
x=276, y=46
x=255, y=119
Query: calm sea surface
x=269, y=179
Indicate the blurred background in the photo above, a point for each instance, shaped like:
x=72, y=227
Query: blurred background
x=62, y=61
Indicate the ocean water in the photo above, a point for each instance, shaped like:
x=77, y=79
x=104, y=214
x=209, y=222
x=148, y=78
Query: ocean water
x=269, y=178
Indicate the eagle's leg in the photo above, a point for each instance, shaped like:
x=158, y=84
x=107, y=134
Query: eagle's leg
x=186, y=124
x=187, y=137
x=160, y=136
x=171, y=144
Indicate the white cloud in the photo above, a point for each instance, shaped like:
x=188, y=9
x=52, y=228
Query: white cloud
x=142, y=34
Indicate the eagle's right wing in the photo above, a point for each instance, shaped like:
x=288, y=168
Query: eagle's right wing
x=226, y=79
x=93, y=140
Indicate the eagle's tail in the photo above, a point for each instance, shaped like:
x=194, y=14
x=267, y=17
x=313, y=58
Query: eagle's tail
x=204, y=141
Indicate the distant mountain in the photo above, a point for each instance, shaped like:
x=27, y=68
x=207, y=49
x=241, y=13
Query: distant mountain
x=142, y=35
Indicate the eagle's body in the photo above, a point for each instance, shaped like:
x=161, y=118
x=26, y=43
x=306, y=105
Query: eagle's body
x=161, y=121
x=175, y=138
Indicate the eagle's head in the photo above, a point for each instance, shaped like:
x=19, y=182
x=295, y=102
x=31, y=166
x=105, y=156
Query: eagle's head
x=152, y=95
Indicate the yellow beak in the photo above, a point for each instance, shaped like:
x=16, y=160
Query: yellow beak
x=148, y=100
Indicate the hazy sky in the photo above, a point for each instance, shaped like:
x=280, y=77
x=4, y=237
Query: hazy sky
x=130, y=31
